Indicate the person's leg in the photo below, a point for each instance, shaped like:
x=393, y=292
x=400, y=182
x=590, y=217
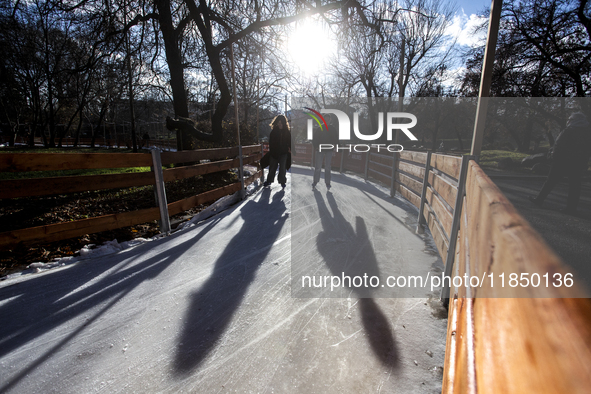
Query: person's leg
x=282, y=178
x=318, y=157
x=272, y=170
x=327, y=168
x=554, y=177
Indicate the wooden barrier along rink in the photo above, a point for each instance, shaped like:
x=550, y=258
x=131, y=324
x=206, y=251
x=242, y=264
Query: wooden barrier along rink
x=24, y=162
x=522, y=344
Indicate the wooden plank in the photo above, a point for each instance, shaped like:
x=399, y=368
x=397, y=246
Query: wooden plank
x=381, y=172
x=410, y=183
x=444, y=188
x=15, y=188
x=206, y=154
x=534, y=341
x=462, y=257
x=436, y=231
x=543, y=347
x=451, y=348
x=450, y=165
x=379, y=166
x=381, y=159
x=60, y=231
x=212, y=195
x=408, y=194
x=24, y=162
x=71, y=184
x=253, y=178
x=465, y=379
x=444, y=216
x=172, y=174
x=417, y=157
x=412, y=169
x=379, y=177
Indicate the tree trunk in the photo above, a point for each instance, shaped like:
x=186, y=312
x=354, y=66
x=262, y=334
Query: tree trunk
x=175, y=66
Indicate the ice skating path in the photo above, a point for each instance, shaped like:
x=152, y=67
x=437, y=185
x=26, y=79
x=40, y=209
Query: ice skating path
x=210, y=309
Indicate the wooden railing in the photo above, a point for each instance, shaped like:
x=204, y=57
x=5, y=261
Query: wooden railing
x=537, y=341
x=25, y=162
x=123, y=142
x=499, y=339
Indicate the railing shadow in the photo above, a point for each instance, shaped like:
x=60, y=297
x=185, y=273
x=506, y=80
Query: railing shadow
x=213, y=305
x=356, y=259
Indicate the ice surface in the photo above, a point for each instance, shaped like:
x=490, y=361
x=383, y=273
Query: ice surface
x=210, y=309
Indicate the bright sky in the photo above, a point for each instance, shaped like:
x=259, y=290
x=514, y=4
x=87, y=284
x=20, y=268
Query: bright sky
x=310, y=45
x=466, y=19
x=472, y=6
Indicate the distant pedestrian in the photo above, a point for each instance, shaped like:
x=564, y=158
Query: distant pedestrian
x=324, y=142
x=279, y=150
x=145, y=140
x=570, y=158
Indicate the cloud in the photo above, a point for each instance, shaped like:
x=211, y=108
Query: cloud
x=463, y=28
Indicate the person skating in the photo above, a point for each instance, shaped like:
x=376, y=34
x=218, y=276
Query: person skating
x=279, y=150
x=570, y=158
x=328, y=137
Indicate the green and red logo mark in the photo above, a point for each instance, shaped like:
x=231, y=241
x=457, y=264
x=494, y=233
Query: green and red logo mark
x=316, y=115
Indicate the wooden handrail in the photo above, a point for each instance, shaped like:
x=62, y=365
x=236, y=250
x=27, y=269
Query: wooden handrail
x=69, y=184
x=522, y=344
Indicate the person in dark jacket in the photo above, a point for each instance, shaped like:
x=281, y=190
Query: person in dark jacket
x=570, y=158
x=327, y=138
x=279, y=149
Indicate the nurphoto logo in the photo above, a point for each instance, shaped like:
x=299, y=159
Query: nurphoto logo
x=344, y=128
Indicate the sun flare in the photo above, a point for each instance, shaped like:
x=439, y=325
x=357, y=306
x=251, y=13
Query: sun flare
x=310, y=46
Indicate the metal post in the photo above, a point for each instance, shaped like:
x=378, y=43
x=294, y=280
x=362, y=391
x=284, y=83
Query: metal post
x=367, y=164
x=342, y=162
x=486, y=76
x=395, y=157
x=421, y=219
x=455, y=226
x=241, y=169
x=160, y=191
x=258, y=126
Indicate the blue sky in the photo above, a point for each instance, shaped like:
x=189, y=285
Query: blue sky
x=472, y=7
x=466, y=19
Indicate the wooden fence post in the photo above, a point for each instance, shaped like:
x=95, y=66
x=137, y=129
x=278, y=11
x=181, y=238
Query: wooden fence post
x=421, y=220
x=160, y=191
x=455, y=226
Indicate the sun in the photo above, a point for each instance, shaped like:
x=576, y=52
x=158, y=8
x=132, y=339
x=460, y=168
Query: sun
x=310, y=46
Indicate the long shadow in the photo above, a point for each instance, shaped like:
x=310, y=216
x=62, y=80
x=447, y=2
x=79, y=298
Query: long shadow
x=356, y=259
x=39, y=305
x=368, y=187
x=213, y=305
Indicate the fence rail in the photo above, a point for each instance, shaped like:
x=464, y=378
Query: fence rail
x=524, y=344
x=25, y=162
x=120, y=142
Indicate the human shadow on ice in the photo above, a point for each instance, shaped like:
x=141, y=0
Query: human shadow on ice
x=41, y=304
x=348, y=252
x=367, y=187
x=212, y=306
